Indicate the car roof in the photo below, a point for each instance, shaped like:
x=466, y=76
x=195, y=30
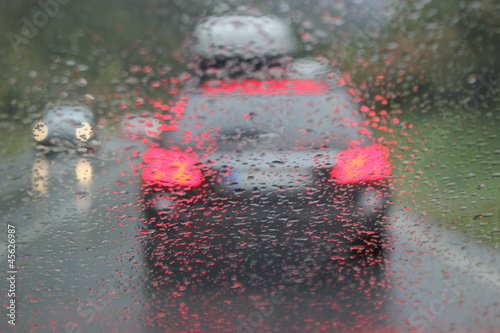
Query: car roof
x=242, y=36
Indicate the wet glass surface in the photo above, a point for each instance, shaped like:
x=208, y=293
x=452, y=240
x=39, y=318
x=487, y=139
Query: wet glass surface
x=289, y=166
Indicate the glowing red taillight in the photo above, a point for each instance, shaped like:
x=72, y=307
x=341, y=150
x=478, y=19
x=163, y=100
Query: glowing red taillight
x=368, y=163
x=170, y=167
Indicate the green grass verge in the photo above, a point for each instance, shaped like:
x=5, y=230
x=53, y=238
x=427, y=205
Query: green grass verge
x=451, y=173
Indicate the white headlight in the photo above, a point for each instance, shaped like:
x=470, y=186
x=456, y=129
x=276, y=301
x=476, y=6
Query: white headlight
x=40, y=131
x=84, y=133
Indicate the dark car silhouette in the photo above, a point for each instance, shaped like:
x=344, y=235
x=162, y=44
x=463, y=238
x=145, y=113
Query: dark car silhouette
x=263, y=163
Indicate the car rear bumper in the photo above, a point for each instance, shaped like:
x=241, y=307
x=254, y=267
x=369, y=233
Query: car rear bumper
x=287, y=238
x=283, y=225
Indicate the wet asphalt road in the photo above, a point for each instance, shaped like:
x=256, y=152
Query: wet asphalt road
x=80, y=267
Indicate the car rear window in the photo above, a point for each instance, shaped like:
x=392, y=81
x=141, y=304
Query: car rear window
x=281, y=114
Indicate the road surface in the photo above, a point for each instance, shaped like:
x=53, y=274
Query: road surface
x=80, y=267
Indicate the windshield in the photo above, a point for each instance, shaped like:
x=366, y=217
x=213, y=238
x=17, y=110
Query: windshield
x=250, y=166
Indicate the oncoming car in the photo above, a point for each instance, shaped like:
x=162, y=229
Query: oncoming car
x=262, y=168
x=64, y=126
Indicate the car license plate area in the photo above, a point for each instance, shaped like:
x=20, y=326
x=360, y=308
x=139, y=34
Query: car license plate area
x=264, y=179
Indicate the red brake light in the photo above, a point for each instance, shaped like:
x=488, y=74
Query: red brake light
x=365, y=163
x=170, y=167
x=271, y=87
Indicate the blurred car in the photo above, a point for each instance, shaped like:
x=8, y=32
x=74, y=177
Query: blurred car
x=246, y=46
x=264, y=167
x=64, y=126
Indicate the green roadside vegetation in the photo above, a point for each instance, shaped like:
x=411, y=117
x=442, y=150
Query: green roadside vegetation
x=450, y=172
x=435, y=65
x=77, y=50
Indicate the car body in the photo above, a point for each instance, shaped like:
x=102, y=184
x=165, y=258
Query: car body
x=64, y=126
x=255, y=175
